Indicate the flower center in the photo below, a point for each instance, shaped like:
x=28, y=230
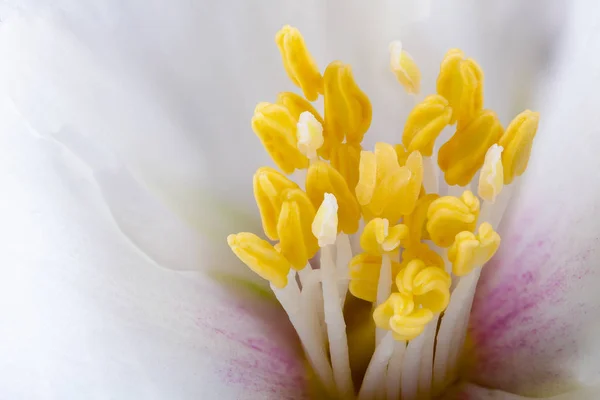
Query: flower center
x=398, y=227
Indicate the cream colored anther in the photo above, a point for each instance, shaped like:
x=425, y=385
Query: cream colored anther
x=325, y=224
x=310, y=135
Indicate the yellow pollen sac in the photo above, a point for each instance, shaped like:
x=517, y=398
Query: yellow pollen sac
x=322, y=178
x=470, y=251
x=310, y=135
x=297, y=243
x=491, y=177
x=347, y=108
x=517, y=142
x=430, y=285
x=325, y=223
x=261, y=257
x=461, y=82
x=385, y=189
x=276, y=129
x=379, y=238
x=448, y=215
x=461, y=157
x=296, y=105
x=364, y=272
x=345, y=158
x=269, y=186
x=404, y=67
x=398, y=314
x=299, y=63
x=425, y=122
x=416, y=221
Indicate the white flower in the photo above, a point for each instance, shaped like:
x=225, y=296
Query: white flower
x=127, y=159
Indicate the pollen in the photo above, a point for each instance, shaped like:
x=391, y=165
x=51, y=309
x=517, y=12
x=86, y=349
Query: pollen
x=399, y=231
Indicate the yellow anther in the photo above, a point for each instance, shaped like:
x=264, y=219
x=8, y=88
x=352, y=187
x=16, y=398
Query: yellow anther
x=470, y=251
x=347, y=108
x=398, y=313
x=299, y=63
x=261, y=257
x=461, y=82
x=276, y=129
x=404, y=67
x=296, y=105
x=491, y=177
x=385, y=189
x=364, y=272
x=323, y=178
x=462, y=156
x=379, y=238
x=424, y=124
x=325, y=224
x=310, y=135
x=517, y=142
x=297, y=242
x=416, y=220
x=448, y=215
x=430, y=285
x=269, y=186
x=345, y=158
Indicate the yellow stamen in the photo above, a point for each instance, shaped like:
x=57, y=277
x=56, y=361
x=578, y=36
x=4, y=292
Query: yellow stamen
x=491, y=177
x=269, y=186
x=296, y=105
x=517, y=142
x=448, y=215
x=416, y=221
x=404, y=67
x=398, y=314
x=310, y=135
x=276, y=129
x=429, y=285
x=461, y=82
x=470, y=251
x=424, y=124
x=364, y=272
x=299, y=63
x=325, y=224
x=385, y=189
x=462, y=156
x=297, y=242
x=347, y=108
x=346, y=158
x=261, y=257
x=323, y=178
x=379, y=238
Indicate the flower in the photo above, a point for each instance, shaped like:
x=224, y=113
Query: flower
x=92, y=309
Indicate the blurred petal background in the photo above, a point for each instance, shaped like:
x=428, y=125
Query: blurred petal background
x=127, y=158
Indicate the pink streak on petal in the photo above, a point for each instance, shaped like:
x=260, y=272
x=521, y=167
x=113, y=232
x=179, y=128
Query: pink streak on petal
x=266, y=356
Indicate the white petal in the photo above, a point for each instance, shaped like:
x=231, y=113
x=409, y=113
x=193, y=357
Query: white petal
x=87, y=314
x=535, y=323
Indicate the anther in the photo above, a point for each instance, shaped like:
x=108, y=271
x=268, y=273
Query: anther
x=430, y=285
x=425, y=123
x=298, y=62
x=276, y=129
x=325, y=223
x=517, y=142
x=491, y=177
x=470, y=251
x=462, y=156
x=310, y=135
x=364, y=270
x=448, y=215
x=461, y=82
x=404, y=67
x=261, y=257
x=379, y=238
